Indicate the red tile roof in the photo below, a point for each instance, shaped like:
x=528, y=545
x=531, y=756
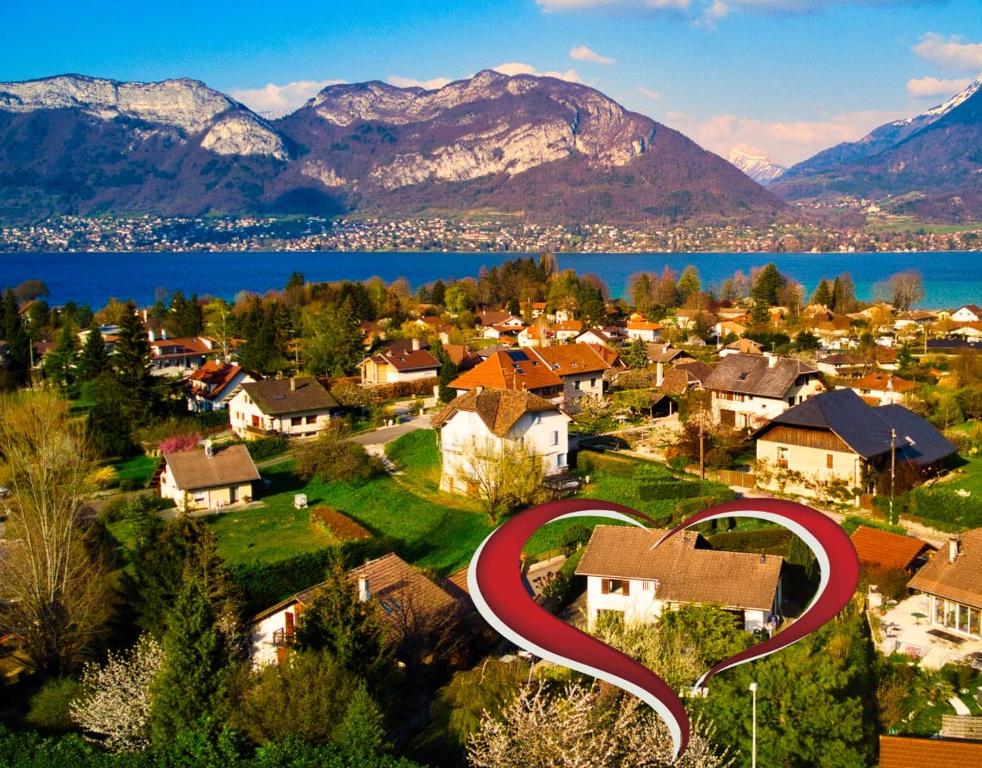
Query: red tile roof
x=518, y=370
x=907, y=752
x=884, y=549
x=884, y=382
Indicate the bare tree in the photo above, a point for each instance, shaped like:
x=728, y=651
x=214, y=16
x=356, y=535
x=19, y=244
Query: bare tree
x=503, y=474
x=116, y=702
x=53, y=592
x=903, y=289
x=581, y=728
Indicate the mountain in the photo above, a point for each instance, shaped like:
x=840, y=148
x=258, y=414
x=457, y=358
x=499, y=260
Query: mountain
x=755, y=163
x=546, y=149
x=933, y=162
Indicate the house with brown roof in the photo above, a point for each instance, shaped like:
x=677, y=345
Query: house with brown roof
x=608, y=336
x=743, y=346
x=686, y=376
x=397, y=361
x=213, y=385
x=890, y=551
x=567, y=330
x=911, y=752
x=627, y=575
x=208, y=478
x=952, y=580
x=661, y=355
x=170, y=357
x=404, y=595
x=883, y=388
x=748, y=390
x=484, y=422
x=582, y=368
x=970, y=313
x=296, y=407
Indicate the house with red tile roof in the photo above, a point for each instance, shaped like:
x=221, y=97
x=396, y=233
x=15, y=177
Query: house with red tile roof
x=883, y=388
x=169, y=357
x=640, y=327
x=213, y=385
x=396, y=361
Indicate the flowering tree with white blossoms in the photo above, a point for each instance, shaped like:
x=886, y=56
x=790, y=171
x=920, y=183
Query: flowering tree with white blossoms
x=116, y=701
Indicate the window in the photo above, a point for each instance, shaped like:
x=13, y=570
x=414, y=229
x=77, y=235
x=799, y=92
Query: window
x=615, y=587
x=311, y=419
x=829, y=461
x=578, y=383
x=647, y=586
x=554, y=437
x=593, y=383
x=561, y=460
x=296, y=421
x=536, y=418
x=782, y=456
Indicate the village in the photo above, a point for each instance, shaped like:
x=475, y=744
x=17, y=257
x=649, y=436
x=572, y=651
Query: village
x=303, y=477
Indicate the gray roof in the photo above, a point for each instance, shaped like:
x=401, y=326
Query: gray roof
x=756, y=375
x=867, y=430
x=276, y=397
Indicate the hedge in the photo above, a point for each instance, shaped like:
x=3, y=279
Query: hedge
x=266, y=447
x=772, y=541
x=941, y=508
x=669, y=489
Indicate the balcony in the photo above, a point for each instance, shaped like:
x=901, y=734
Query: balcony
x=259, y=431
x=282, y=638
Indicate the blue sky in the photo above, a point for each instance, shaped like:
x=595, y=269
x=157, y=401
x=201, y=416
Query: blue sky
x=786, y=76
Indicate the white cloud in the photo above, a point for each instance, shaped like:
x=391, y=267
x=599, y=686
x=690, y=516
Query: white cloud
x=432, y=84
x=274, y=100
x=788, y=142
x=648, y=93
x=512, y=68
x=950, y=52
x=929, y=87
x=583, y=53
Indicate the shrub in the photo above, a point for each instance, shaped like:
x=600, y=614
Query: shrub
x=669, y=489
x=338, y=525
x=104, y=478
x=945, y=509
x=891, y=582
x=49, y=708
x=177, y=443
x=132, y=484
x=566, y=585
x=574, y=537
x=606, y=463
x=330, y=457
x=266, y=447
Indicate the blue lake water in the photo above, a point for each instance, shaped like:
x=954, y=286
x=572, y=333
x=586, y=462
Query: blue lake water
x=950, y=278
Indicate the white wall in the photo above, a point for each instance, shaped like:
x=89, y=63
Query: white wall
x=241, y=409
x=263, y=650
x=811, y=462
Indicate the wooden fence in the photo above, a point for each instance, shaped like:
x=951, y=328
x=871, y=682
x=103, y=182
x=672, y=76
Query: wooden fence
x=961, y=727
x=726, y=476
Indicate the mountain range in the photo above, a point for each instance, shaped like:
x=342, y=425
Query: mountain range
x=540, y=148
x=756, y=164
x=930, y=165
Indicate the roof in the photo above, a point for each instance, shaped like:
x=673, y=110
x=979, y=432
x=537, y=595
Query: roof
x=662, y=353
x=181, y=346
x=866, y=430
x=746, y=346
x=885, y=549
x=276, y=397
x=460, y=355
x=960, y=580
x=906, y=751
x=518, y=369
x=401, y=356
x=685, y=573
x=884, y=382
x=215, y=376
x=637, y=323
x=975, y=309
x=194, y=470
x=684, y=375
x=570, y=359
x=760, y=375
x=499, y=409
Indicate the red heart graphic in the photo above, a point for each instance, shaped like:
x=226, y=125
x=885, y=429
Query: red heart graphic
x=495, y=583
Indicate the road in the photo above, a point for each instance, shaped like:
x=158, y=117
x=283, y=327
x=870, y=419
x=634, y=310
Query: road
x=386, y=435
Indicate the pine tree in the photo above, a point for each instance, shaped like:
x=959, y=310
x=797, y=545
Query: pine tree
x=194, y=675
x=361, y=734
x=60, y=363
x=688, y=283
x=637, y=354
x=17, y=363
x=823, y=294
x=905, y=357
x=94, y=360
x=768, y=285
x=131, y=362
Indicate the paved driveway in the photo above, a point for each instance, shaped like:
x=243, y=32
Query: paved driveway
x=386, y=435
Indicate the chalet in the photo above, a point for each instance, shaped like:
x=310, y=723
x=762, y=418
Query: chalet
x=208, y=478
x=213, y=385
x=489, y=420
x=404, y=595
x=398, y=361
x=626, y=574
x=970, y=313
x=520, y=370
x=742, y=347
x=639, y=327
x=911, y=752
x=747, y=390
x=836, y=438
x=889, y=551
x=880, y=388
x=174, y=356
x=952, y=580
x=686, y=376
x=295, y=407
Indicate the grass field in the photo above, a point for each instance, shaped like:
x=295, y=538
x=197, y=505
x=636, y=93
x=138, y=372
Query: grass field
x=139, y=468
x=971, y=480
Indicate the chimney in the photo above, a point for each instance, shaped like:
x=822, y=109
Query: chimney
x=771, y=359
x=417, y=346
x=953, y=549
x=209, y=451
x=293, y=383
x=364, y=594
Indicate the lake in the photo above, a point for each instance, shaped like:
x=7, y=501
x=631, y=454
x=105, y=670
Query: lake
x=951, y=279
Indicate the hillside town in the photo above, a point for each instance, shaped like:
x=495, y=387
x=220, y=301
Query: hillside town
x=251, y=499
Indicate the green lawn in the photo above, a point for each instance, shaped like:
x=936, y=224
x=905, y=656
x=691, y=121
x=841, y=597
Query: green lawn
x=971, y=480
x=137, y=468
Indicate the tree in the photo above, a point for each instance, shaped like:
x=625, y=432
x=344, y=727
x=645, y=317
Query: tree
x=334, y=345
x=903, y=289
x=641, y=291
x=94, y=360
x=843, y=294
x=823, y=294
x=806, y=341
x=131, y=363
x=60, y=364
x=905, y=357
x=331, y=457
x=53, y=592
x=266, y=330
x=637, y=354
x=688, y=283
x=193, y=678
x=31, y=290
x=17, y=365
x=504, y=475
x=582, y=727
x=767, y=285
x=362, y=731
x=186, y=317
x=115, y=704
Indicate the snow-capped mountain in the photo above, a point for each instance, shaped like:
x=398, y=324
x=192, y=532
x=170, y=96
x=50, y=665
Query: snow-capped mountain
x=755, y=163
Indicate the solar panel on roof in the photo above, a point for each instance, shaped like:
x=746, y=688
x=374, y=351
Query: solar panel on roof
x=517, y=355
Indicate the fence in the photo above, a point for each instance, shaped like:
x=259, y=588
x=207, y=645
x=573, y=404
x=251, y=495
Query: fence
x=726, y=476
x=961, y=727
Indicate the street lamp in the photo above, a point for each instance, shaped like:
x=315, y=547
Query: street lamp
x=753, y=742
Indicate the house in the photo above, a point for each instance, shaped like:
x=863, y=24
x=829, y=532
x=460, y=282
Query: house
x=567, y=330
x=538, y=335
x=835, y=439
x=878, y=388
x=639, y=327
x=208, y=478
x=398, y=361
x=610, y=336
x=520, y=370
x=914, y=318
x=213, y=385
x=461, y=356
x=726, y=327
x=742, y=347
x=404, y=595
x=952, y=580
x=295, y=407
x=686, y=376
x=174, y=356
x=626, y=574
x=747, y=390
x=492, y=419
x=854, y=363
x=911, y=752
x=970, y=313
x=582, y=369
x=662, y=355
x=890, y=551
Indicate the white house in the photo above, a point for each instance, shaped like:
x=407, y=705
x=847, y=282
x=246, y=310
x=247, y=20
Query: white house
x=213, y=385
x=296, y=407
x=630, y=577
x=879, y=388
x=208, y=478
x=486, y=421
x=172, y=357
x=749, y=390
x=639, y=327
x=970, y=313
x=397, y=361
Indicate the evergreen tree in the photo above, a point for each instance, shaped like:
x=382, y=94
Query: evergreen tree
x=361, y=733
x=637, y=354
x=438, y=293
x=905, y=357
x=131, y=362
x=60, y=363
x=94, y=360
x=334, y=346
x=642, y=288
x=768, y=285
x=193, y=678
x=823, y=294
x=266, y=330
x=16, y=369
x=448, y=372
x=688, y=283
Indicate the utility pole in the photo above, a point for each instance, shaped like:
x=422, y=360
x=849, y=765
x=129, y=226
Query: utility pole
x=702, y=450
x=753, y=737
x=893, y=467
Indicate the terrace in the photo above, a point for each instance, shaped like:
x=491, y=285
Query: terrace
x=906, y=628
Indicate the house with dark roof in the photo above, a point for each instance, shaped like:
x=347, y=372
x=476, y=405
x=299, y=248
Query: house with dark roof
x=631, y=577
x=208, y=478
x=835, y=440
x=396, y=361
x=686, y=376
x=294, y=407
x=407, y=599
x=748, y=390
x=484, y=422
x=213, y=385
x=952, y=580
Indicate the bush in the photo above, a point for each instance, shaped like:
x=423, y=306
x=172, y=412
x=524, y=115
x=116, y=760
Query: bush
x=891, y=582
x=606, y=463
x=104, y=478
x=338, y=525
x=574, y=537
x=944, y=509
x=669, y=489
x=178, y=443
x=131, y=484
x=330, y=457
x=49, y=706
x=266, y=447
x=771, y=541
x=566, y=585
